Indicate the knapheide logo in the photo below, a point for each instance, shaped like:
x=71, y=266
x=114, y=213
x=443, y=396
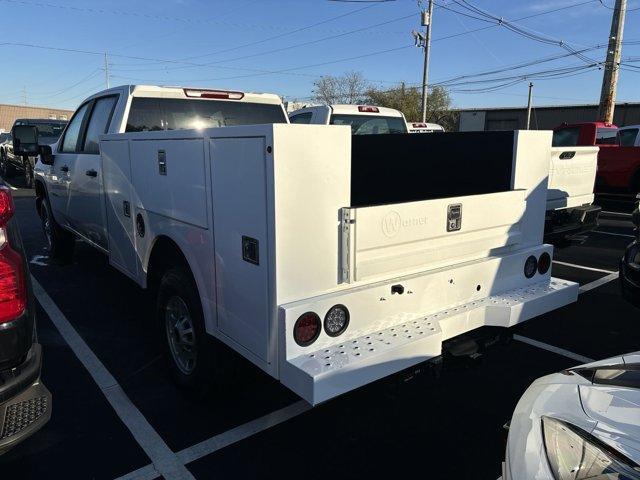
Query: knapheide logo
x=392, y=223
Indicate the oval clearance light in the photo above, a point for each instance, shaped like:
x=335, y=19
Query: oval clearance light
x=336, y=320
x=306, y=329
x=530, y=266
x=367, y=108
x=544, y=263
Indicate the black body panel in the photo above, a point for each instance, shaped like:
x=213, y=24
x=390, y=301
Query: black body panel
x=399, y=168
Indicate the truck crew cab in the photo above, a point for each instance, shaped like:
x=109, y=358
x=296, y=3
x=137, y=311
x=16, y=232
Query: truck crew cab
x=327, y=259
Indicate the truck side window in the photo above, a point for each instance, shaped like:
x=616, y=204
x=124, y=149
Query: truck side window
x=627, y=138
x=606, y=136
x=98, y=123
x=70, y=141
x=301, y=118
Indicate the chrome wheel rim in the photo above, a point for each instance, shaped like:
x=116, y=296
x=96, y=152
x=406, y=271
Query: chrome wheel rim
x=180, y=334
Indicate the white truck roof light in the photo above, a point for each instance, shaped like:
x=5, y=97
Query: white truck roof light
x=420, y=125
x=218, y=94
x=367, y=108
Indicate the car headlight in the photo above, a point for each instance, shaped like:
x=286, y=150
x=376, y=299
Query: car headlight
x=574, y=454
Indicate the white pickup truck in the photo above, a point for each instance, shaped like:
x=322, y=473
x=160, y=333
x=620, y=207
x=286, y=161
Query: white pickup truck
x=363, y=119
x=326, y=259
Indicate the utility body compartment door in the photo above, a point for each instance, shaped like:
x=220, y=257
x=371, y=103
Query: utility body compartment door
x=239, y=189
x=413, y=236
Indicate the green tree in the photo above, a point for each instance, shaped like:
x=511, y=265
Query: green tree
x=409, y=101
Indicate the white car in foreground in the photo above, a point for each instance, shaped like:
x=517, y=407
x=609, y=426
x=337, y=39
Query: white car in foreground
x=582, y=423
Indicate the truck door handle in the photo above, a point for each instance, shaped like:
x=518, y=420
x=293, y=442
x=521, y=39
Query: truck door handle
x=91, y=173
x=64, y=169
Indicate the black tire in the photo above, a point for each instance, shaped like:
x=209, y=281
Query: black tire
x=28, y=174
x=6, y=170
x=177, y=290
x=60, y=243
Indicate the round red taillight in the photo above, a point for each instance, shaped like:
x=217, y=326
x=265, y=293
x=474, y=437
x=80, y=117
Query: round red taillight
x=530, y=266
x=544, y=263
x=306, y=329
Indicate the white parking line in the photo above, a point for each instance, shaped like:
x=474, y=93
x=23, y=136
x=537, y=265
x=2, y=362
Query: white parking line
x=234, y=435
x=165, y=462
x=551, y=348
x=612, y=233
x=218, y=442
x=599, y=282
x=583, y=267
x=621, y=214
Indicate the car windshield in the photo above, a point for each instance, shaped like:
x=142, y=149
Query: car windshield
x=369, y=124
x=153, y=114
x=627, y=137
x=566, y=137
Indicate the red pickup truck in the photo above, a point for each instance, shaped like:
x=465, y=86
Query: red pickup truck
x=618, y=164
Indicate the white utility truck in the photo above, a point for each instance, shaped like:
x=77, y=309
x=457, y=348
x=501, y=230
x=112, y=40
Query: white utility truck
x=363, y=119
x=326, y=259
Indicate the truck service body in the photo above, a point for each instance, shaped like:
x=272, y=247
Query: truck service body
x=572, y=173
x=326, y=259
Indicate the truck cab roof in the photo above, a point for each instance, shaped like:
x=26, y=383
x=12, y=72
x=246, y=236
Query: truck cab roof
x=157, y=91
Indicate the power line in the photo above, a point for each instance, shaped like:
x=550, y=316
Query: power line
x=614, y=9
x=281, y=49
x=297, y=30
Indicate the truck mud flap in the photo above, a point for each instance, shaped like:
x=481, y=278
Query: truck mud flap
x=322, y=374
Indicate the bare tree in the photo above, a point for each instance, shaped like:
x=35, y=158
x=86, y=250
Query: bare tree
x=348, y=88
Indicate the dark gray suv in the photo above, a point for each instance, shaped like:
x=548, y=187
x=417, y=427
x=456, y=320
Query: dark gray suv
x=25, y=403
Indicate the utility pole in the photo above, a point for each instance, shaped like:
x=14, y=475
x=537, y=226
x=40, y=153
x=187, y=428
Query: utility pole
x=424, y=41
x=529, y=106
x=612, y=64
x=106, y=69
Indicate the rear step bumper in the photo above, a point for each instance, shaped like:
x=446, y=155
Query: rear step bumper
x=325, y=373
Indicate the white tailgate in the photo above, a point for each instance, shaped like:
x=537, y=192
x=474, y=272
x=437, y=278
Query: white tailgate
x=572, y=174
x=413, y=236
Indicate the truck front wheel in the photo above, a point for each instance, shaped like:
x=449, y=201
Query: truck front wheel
x=28, y=174
x=186, y=345
x=60, y=243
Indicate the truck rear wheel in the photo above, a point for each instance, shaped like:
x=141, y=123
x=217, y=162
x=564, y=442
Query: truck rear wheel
x=60, y=243
x=187, y=348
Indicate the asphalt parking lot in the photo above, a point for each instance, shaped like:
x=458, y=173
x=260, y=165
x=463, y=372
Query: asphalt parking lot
x=119, y=414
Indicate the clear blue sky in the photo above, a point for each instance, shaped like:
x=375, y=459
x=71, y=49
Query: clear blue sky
x=173, y=39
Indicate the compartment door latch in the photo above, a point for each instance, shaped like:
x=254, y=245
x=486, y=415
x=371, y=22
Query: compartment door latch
x=454, y=217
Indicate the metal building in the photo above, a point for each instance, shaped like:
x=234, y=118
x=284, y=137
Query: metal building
x=9, y=113
x=542, y=118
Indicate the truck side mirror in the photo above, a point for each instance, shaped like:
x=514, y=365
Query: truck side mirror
x=25, y=140
x=46, y=155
